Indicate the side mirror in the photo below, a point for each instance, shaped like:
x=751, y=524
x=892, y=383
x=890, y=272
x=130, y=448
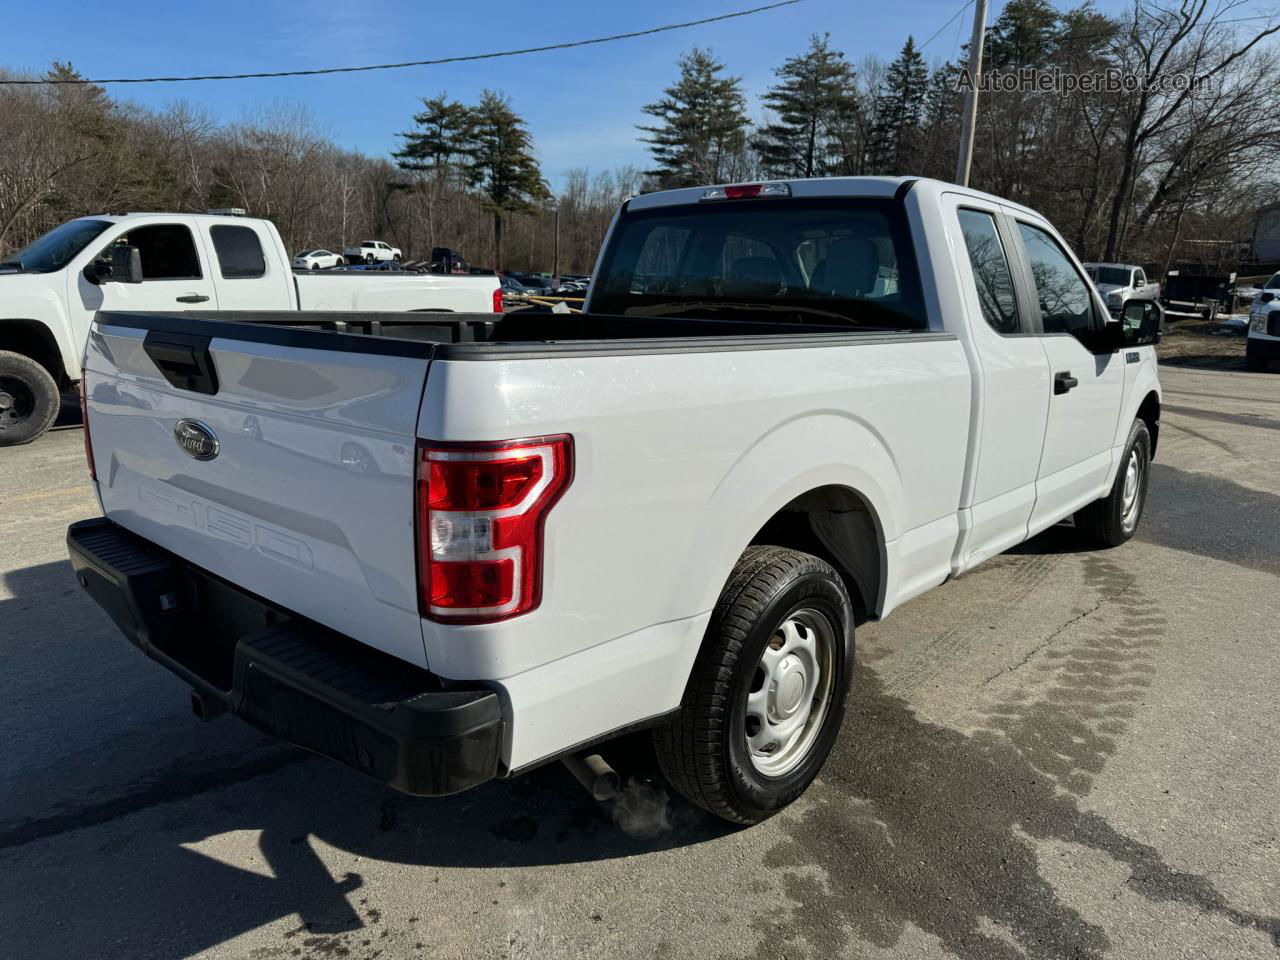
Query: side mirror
x=1266, y=297
x=126, y=265
x=1142, y=323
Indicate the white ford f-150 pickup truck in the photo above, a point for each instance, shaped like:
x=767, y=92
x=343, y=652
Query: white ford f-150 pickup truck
x=50, y=290
x=1118, y=283
x=786, y=407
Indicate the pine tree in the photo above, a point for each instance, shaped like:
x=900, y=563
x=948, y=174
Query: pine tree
x=940, y=127
x=702, y=124
x=1024, y=35
x=442, y=143
x=502, y=163
x=899, y=110
x=814, y=96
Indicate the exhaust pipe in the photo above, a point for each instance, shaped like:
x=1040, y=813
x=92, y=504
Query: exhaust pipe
x=594, y=773
x=206, y=707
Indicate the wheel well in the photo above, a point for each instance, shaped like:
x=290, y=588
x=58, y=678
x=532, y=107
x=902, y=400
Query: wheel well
x=33, y=339
x=837, y=524
x=1149, y=413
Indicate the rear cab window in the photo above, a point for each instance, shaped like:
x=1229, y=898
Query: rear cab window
x=990, y=268
x=844, y=261
x=239, y=252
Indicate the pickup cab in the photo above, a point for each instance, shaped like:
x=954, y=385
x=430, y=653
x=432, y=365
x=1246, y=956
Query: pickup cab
x=1262, y=348
x=786, y=408
x=50, y=291
x=1120, y=283
x=371, y=251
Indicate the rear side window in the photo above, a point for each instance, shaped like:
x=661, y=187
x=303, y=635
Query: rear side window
x=991, y=274
x=1065, y=303
x=239, y=252
x=830, y=261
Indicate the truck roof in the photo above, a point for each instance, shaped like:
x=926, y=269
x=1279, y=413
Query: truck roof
x=120, y=217
x=1119, y=266
x=827, y=187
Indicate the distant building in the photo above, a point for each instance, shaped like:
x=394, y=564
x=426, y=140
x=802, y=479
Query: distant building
x=1266, y=234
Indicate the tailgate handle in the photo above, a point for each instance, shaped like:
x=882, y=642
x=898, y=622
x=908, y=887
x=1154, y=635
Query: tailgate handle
x=184, y=360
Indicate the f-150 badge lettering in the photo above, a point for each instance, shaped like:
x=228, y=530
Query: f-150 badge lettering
x=196, y=439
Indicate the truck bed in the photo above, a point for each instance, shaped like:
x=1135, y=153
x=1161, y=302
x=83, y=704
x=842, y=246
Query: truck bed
x=443, y=335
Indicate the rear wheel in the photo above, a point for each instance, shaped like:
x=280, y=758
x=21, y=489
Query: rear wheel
x=368, y=258
x=29, y=399
x=766, y=697
x=1112, y=520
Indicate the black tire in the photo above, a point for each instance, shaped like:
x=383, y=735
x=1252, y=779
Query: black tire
x=703, y=750
x=1105, y=522
x=315, y=266
x=1254, y=359
x=396, y=258
x=29, y=399
x=368, y=258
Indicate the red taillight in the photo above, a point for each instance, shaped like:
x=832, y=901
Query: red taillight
x=88, y=442
x=497, y=300
x=481, y=508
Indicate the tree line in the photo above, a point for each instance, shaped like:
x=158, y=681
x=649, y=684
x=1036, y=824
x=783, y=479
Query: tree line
x=1156, y=173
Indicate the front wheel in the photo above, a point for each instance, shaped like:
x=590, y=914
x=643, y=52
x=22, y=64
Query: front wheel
x=1255, y=361
x=1112, y=520
x=766, y=698
x=29, y=399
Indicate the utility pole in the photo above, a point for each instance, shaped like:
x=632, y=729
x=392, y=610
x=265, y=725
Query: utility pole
x=970, y=118
x=555, y=256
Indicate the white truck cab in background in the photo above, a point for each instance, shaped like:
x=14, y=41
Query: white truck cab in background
x=1120, y=283
x=371, y=251
x=1262, y=349
x=50, y=291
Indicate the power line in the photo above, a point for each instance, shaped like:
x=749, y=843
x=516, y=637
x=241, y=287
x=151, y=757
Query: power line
x=420, y=63
x=1098, y=35
x=953, y=19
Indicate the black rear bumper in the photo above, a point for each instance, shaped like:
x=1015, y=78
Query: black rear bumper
x=287, y=676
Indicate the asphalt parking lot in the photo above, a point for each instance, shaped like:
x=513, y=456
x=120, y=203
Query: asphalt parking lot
x=1063, y=754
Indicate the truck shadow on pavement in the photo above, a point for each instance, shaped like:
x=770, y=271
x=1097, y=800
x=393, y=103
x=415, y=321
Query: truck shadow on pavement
x=913, y=825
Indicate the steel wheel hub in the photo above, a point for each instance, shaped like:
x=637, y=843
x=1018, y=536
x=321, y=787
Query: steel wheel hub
x=790, y=692
x=6, y=401
x=1131, y=495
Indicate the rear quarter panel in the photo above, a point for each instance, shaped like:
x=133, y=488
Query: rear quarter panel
x=680, y=459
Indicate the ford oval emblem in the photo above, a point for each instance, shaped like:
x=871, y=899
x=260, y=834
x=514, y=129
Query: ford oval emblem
x=196, y=439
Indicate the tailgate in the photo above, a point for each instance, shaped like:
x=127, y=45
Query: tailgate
x=307, y=500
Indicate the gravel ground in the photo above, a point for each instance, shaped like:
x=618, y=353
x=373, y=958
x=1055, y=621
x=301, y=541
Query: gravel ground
x=1063, y=754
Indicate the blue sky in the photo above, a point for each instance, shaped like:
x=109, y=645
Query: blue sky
x=581, y=105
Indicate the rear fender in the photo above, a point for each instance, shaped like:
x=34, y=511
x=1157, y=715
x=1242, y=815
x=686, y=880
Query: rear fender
x=777, y=469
